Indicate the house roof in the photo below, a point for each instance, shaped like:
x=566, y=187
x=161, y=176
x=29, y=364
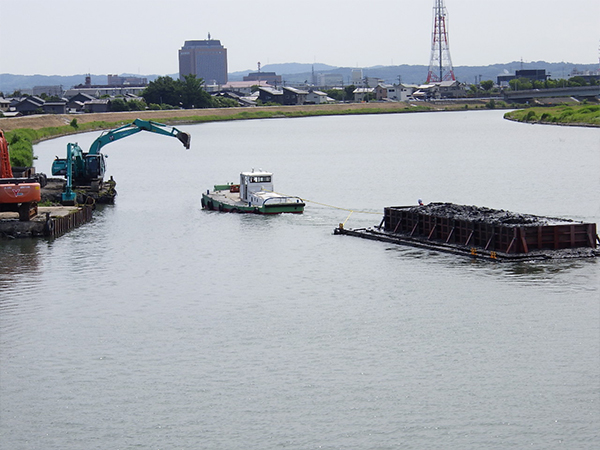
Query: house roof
x=244, y=84
x=33, y=99
x=295, y=90
x=363, y=90
x=271, y=91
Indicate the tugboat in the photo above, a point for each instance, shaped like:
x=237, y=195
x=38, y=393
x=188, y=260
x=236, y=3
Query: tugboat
x=253, y=195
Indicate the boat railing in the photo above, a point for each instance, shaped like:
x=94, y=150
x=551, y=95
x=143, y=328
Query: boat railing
x=279, y=200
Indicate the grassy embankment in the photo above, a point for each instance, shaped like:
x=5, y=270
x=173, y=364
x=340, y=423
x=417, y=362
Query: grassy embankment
x=577, y=115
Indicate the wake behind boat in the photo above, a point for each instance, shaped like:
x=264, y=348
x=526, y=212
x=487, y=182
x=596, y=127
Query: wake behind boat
x=254, y=195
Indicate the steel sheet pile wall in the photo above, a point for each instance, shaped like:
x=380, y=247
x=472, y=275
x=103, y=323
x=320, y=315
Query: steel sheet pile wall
x=517, y=238
x=60, y=225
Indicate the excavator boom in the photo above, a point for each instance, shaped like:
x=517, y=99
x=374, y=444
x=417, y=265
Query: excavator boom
x=83, y=169
x=5, y=168
x=135, y=127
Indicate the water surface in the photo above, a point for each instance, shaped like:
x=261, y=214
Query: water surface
x=159, y=325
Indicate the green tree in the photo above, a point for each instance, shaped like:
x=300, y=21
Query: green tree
x=223, y=102
x=336, y=94
x=473, y=90
x=349, y=92
x=118, y=104
x=163, y=90
x=136, y=105
x=520, y=84
x=487, y=85
x=192, y=93
x=577, y=81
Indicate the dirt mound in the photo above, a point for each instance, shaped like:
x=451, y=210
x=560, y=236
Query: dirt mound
x=490, y=216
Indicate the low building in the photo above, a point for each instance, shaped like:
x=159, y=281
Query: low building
x=294, y=96
x=330, y=79
x=400, y=92
x=97, y=106
x=239, y=98
x=28, y=105
x=270, y=95
x=530, y=74
x=50, y=91
x=444, y=89
x=4, y=104
x=243, y=87
x=317, y=97
x=381, y=91
x=116, y=80
x=363, y=94
x=77, y=103
x=270, y=77
x=452, y=89
x=59, y=107
x=100, y=91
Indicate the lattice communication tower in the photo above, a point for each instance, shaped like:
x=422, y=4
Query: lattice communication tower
x=440, y=63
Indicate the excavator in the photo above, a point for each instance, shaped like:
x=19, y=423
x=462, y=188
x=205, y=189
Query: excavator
x=16, y=194
x=87, y=169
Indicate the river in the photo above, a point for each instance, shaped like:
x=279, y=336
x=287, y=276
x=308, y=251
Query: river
x=162, y=326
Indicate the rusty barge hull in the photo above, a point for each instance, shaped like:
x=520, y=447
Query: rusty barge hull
x=483, y=232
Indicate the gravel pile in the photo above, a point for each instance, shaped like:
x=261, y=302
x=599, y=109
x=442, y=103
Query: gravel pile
x=485, y=215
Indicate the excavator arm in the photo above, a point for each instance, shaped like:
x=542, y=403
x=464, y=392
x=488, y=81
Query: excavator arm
x=135, y=127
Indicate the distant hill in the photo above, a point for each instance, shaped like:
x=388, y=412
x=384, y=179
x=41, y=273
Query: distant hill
x=417, y=74
x=10, y=83
x=300, y=72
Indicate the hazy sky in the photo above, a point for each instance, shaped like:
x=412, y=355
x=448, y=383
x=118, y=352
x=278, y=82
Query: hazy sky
x=67, y=37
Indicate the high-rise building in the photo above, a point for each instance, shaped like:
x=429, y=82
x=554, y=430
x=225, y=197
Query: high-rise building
x=207, y=59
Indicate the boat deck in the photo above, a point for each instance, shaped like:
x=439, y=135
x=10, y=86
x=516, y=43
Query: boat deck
x=228, y=197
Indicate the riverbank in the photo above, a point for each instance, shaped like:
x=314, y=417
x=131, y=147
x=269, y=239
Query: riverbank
x=569, y=115
x=60, y=123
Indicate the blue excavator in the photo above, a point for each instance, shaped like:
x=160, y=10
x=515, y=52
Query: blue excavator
x=87, y=169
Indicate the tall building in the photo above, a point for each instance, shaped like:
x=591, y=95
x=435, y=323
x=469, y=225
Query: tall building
x=207, y=59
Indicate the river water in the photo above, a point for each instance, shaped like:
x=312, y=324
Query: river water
x=162, y=326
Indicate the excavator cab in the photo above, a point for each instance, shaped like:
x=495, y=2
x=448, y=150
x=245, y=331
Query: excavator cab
x=95, y=166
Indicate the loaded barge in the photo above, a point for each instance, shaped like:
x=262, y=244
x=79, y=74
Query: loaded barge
x=482, y=232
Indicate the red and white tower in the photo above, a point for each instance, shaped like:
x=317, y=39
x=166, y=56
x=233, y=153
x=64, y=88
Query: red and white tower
x=440, y=64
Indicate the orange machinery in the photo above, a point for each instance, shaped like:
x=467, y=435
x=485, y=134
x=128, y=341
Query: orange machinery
x=16, y=194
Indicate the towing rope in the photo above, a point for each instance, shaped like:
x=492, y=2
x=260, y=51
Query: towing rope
x=332, y=206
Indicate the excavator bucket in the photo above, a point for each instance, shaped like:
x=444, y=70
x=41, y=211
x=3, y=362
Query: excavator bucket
x=185, y=138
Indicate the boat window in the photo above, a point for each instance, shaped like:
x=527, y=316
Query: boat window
x=265, y=179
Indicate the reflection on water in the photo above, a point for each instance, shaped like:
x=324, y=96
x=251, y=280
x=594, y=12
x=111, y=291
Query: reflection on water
x=20, y=258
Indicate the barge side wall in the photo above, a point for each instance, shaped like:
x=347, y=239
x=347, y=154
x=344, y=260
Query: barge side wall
x=506, y=239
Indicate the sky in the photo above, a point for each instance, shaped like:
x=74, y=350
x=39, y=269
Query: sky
x=69, y=37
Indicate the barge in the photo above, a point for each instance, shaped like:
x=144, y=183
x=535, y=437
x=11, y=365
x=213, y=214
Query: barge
x=482, y=232
x=49, y=221
x=254, y=194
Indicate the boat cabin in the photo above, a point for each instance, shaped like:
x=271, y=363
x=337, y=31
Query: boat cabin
x=252, y=182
